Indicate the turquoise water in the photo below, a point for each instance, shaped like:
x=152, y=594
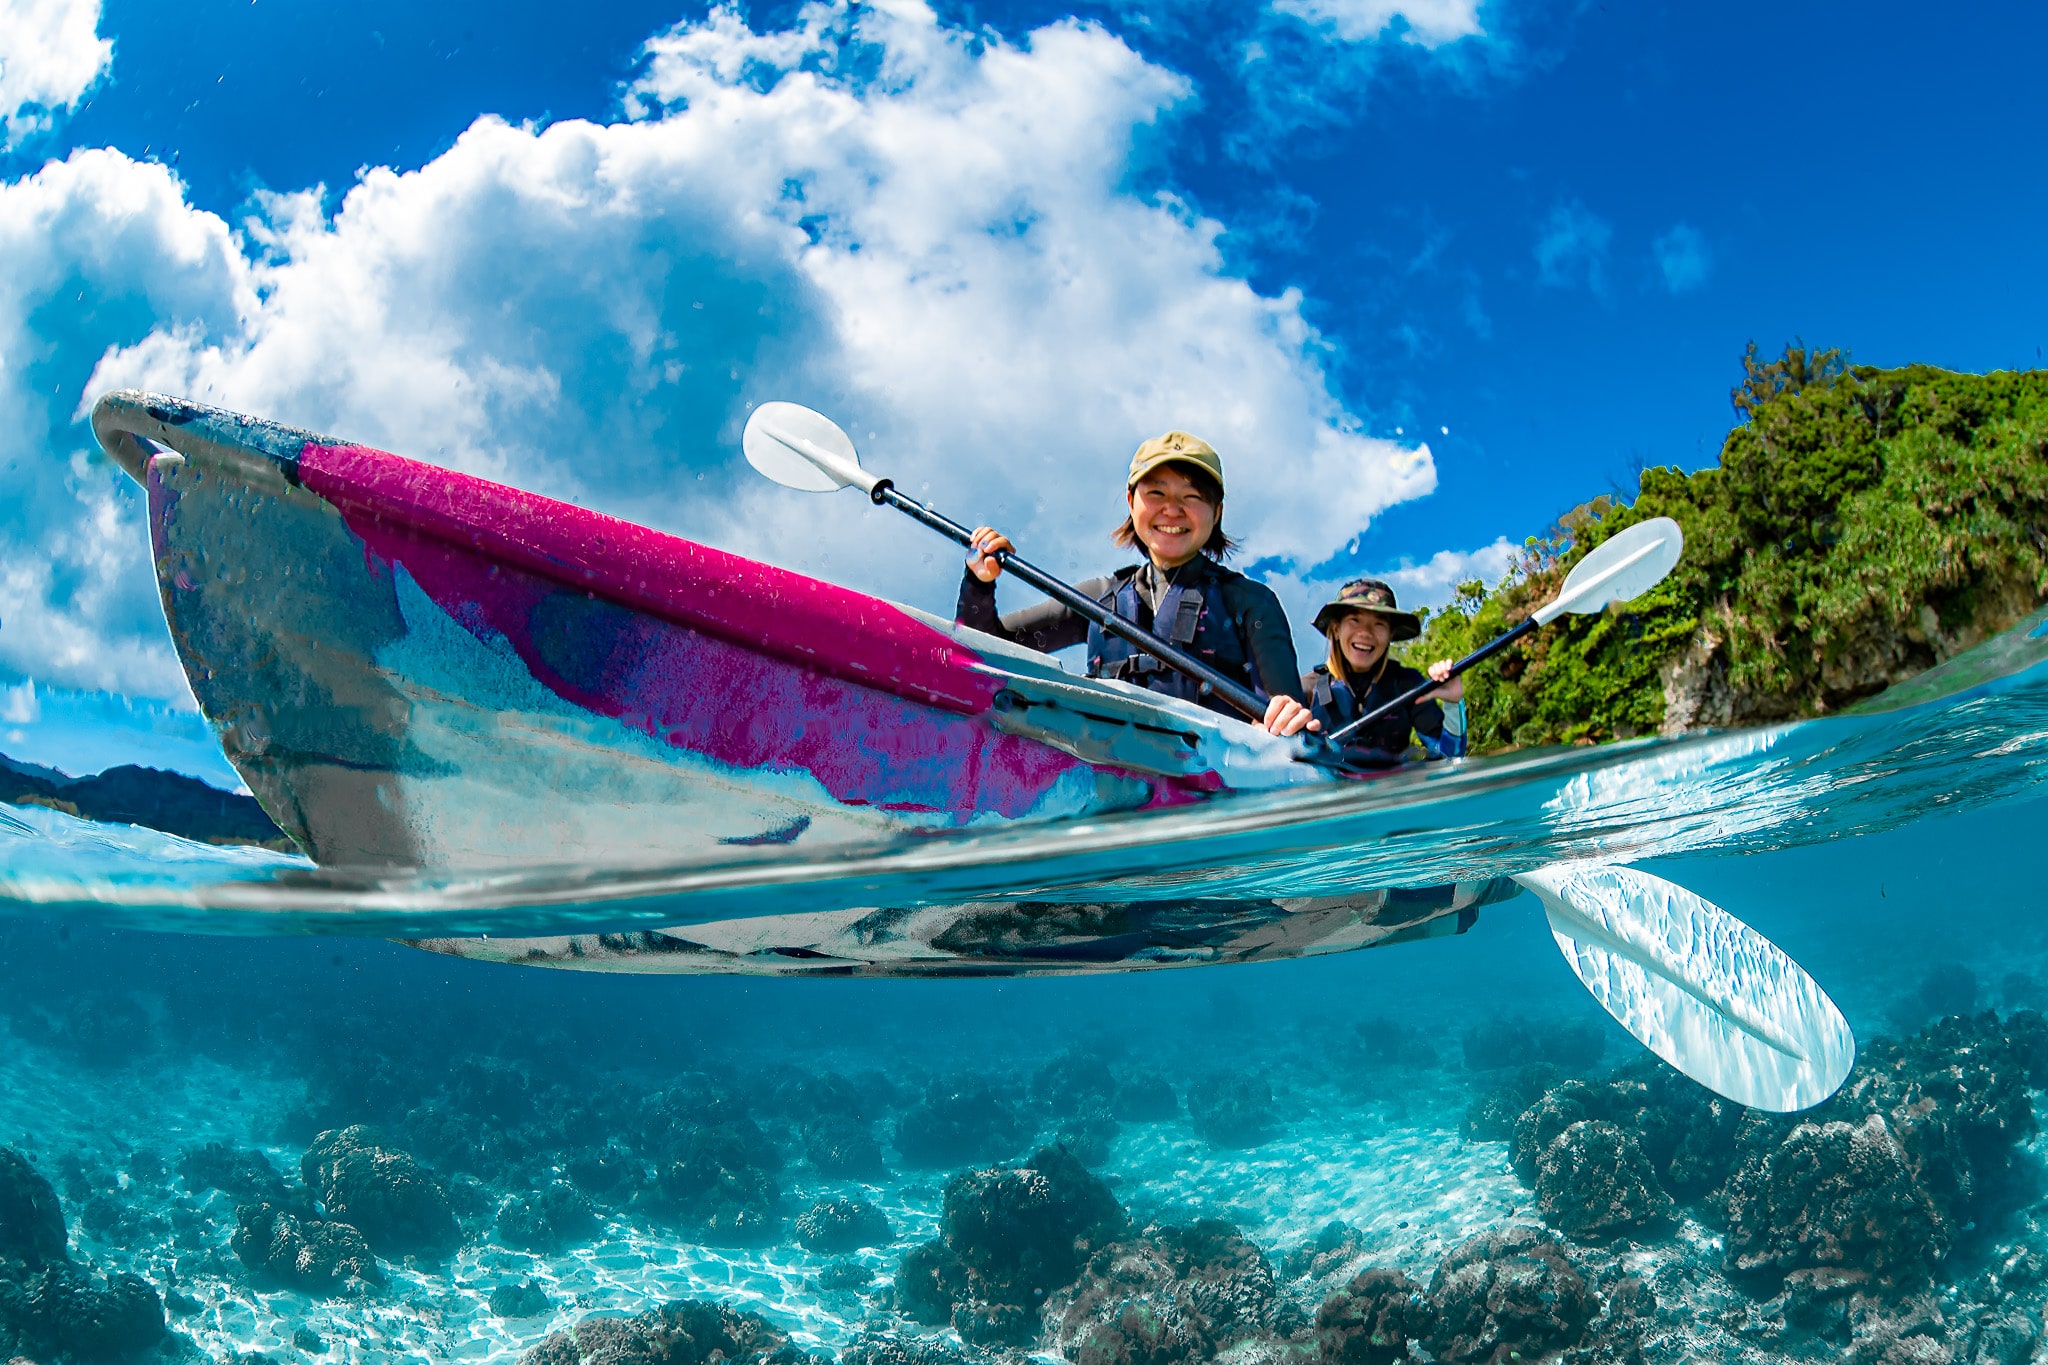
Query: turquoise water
x=159, y=996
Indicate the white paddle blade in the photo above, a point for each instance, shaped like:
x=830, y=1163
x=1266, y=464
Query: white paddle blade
x=799, y=448
x=1697, y=986
x=1625, y=565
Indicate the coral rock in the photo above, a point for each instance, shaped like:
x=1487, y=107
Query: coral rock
x=1074, y=1083
x=684, y=1332
x=1834, y=1194
x=526, y=1300
x=2004, y=1339
x=305, y=1253
x=551, y=1219
x=1370, y=1320
x=929, y=1280
x=1538, y=1125
x=1594, y=1184
x=1493, y=1115
x=1507, y=1294
x=31, y=1219
x=960, y=1120
x=1088, y=1135
x=888, y=1348
x=722, y=1188
x=832, y=1226
x=247, y=1177
x=843, y=1148
x=1173, y=1294
x=1128, y=1311
x=1012, y=1235
x=383, y=1193
x=66, y=1309
x=1145, y=1097
x=1232, y=1111
x=841, y=1276
x=1022, y=1231
x=1329, y=1251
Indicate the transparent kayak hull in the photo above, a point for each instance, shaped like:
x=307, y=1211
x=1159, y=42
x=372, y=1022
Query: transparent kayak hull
x=415, y=668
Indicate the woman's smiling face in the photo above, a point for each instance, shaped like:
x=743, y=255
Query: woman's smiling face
x=1171, y=516
x=1363, y=637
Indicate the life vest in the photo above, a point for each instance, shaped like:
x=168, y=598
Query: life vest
x=1334, y=704
x=1202, y=624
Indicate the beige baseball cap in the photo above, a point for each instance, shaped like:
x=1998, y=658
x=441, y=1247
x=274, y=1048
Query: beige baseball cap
x=1175, y=447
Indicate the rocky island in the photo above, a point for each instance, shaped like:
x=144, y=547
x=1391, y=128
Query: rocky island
x=1862, y=526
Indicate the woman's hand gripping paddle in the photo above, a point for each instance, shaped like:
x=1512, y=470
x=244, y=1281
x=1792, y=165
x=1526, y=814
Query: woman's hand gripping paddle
x=1625, y=565
x=1697, y=986
x=806, y=450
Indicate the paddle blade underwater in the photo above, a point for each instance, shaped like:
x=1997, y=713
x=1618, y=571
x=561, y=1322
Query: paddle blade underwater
x=1697, y=986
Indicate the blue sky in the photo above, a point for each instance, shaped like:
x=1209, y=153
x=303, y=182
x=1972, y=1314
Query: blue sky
x=1010, y=240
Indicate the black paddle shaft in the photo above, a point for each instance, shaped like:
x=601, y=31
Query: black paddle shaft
x=1484, y=652
x=885, y=494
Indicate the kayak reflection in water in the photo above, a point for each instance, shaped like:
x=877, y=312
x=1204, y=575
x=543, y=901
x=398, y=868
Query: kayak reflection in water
x=1181, y=591
x=1360, y=676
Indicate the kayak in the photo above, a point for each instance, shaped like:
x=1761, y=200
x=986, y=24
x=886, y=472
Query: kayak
x=420, y=673
x=416, y=668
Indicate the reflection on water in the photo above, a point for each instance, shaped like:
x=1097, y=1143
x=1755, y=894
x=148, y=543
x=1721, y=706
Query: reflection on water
x=337, y=1148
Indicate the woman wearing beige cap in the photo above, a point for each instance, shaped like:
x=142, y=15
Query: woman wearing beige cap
x=1181, y=591
x=1360, y=676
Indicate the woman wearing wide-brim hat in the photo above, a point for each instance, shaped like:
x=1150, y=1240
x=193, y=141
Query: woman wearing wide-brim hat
x=1361, y=622
x=1181, y=591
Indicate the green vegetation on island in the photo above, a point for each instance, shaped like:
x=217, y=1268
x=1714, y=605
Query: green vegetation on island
x=1862, y=526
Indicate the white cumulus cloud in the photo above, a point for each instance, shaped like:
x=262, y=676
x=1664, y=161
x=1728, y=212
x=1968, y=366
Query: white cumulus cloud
x=99, y=250
x=942, y=252
x=51, y=54
x=934, y=236
x=1425, y=23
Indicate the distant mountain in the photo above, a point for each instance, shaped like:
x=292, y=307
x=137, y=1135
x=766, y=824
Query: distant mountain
x=37, y=770
x=150, y=797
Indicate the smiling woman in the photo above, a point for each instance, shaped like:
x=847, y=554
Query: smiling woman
x=1181, y=592
x=1359, y=679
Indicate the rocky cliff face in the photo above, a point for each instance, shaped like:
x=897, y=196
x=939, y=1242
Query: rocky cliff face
x=1699, y=696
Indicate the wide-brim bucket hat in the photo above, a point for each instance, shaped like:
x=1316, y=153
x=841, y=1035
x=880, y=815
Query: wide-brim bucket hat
x=1369, y=594
x=1175, y=447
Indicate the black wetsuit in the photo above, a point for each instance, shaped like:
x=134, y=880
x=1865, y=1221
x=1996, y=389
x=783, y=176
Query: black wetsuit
x=1218, y=615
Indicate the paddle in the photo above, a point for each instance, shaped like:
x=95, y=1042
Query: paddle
x=1626, y=564
x=1697, y=986
x=806, y=450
